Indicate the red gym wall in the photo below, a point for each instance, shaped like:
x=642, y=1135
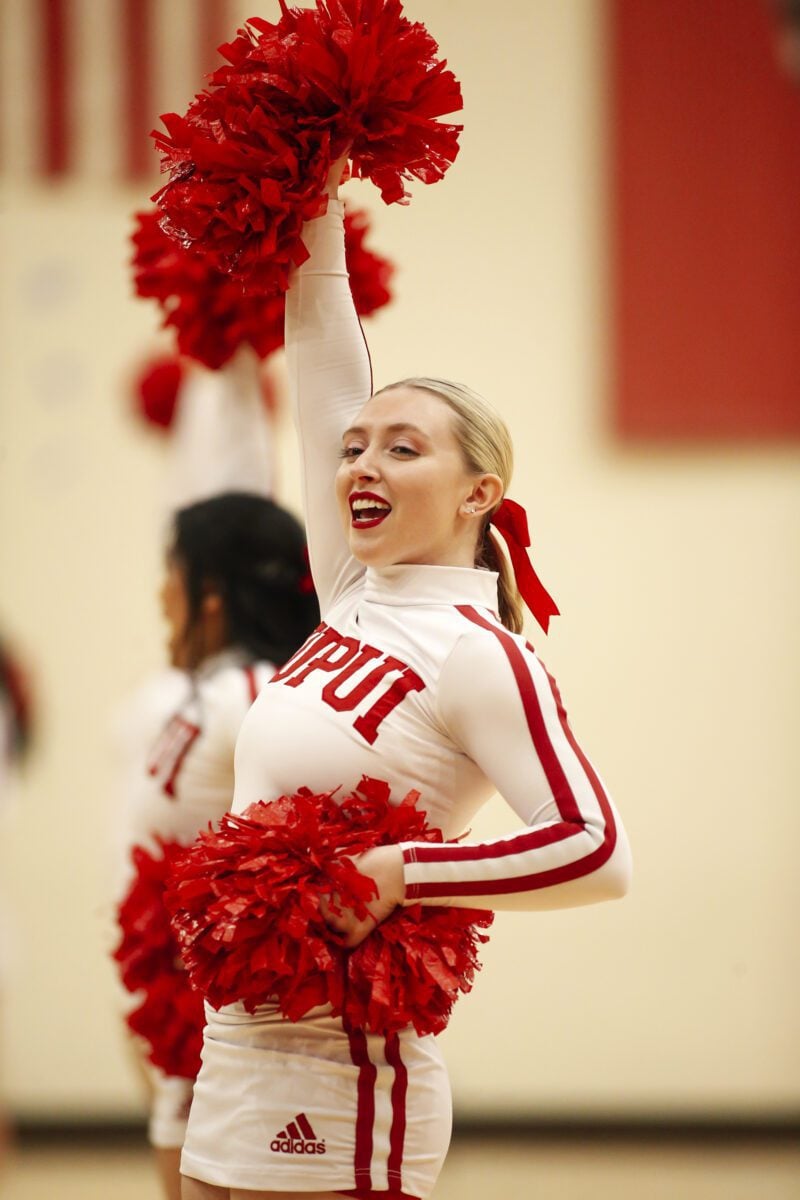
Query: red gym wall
x=705, y=175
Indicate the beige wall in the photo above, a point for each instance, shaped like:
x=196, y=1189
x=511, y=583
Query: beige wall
x=676, y=571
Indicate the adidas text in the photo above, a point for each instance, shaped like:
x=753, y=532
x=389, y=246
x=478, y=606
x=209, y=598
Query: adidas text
x=296, y=1146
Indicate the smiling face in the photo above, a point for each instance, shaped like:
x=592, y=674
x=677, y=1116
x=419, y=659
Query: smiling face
x=404, y=492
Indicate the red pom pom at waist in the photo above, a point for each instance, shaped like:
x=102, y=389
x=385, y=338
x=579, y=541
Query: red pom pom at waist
x=246, y=905
x=170, y=1016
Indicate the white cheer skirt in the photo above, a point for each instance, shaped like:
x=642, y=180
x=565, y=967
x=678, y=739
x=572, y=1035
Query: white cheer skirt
x=310, y=1106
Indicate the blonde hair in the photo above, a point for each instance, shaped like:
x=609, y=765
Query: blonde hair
x=486, y=446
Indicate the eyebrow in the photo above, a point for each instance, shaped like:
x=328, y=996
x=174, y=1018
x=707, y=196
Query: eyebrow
x=396, y=427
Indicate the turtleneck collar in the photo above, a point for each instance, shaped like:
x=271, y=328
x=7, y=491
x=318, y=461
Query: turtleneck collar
x=411, y=583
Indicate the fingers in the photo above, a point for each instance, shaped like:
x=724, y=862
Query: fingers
x=350, y=930
x=337, y=175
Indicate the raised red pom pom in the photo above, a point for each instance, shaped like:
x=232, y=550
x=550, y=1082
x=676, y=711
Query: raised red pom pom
x=155, y=390
x=249, y=160
x=214, y=314
x=370, y=273
x=170, y=1016
x=211, y=313
x=246, y=907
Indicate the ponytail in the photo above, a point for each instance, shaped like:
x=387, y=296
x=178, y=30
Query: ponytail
x=490, y=557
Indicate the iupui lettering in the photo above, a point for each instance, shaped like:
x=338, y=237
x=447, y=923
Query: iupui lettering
x=169, y=752
x=357, y=676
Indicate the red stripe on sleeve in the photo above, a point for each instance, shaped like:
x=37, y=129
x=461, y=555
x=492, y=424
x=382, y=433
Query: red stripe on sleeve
x=573, y=822
x=53, y=22
x=252, y=683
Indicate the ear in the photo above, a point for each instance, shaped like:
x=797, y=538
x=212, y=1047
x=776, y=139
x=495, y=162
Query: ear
x=484, y=495
x=211, y=604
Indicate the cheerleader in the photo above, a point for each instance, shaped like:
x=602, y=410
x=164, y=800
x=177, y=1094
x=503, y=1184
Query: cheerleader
x=15, y=736
x=238, y=600
x=418, y=675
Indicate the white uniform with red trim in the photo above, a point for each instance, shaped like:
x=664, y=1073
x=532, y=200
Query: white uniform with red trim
x=411, y=678
x=180, y=779
x=178, y=733
x=182, y=776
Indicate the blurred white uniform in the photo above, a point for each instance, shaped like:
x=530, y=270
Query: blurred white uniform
x=411, y=679
x=176, y=735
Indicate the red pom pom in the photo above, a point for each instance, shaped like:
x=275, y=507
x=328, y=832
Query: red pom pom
x=370, y=273
x=16, y=695
x=249, y=160
x=214, y=314
x=156, y=390
x=171, y=1019
x=246, y=898
x=211, y=313
x=170, y=1016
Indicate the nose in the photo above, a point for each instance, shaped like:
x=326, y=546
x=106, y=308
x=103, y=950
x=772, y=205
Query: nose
x=364, y=467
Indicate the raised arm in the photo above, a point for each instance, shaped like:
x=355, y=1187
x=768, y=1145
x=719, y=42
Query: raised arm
x=573, y=849
x=222, y=440
x=330, y=379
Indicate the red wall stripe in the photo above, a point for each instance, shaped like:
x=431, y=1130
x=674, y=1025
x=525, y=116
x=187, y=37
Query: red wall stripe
x=55, y=77
x=705, y=179
x=138, y=103
x=213, y=28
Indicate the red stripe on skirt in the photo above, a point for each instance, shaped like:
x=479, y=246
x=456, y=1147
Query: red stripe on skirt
x=397, y=1136
x=53, y=20
x=365, y=1114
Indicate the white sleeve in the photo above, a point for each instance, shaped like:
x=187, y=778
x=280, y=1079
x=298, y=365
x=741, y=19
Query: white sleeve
x=502, y=708
x=222, y=439
x=330, y=379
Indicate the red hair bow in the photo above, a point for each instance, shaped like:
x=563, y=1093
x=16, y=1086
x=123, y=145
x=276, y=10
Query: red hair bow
x=511, y=520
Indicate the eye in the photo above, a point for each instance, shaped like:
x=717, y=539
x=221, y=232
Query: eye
x=350, y=452
x=405, y=451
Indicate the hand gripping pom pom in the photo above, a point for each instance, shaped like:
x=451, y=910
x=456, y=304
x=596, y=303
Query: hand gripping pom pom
x=213, y=314
x=249, y=160
x=246, y=907
x=170, y=1016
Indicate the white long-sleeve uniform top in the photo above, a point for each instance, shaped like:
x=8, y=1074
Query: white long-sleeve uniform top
x=181, y=732
x=411, y=678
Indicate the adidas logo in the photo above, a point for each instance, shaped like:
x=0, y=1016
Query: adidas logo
x=297, y=1138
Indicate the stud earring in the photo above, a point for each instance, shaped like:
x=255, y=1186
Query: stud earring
x=470, y=508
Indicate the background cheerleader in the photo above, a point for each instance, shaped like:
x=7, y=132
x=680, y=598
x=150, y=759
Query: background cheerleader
x=15, y=737
x=237, y=601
